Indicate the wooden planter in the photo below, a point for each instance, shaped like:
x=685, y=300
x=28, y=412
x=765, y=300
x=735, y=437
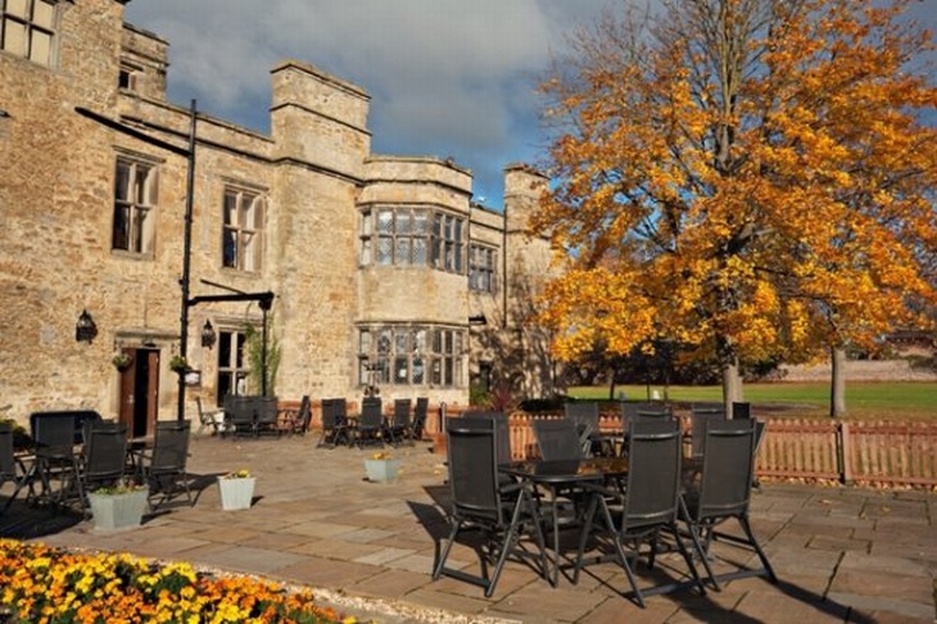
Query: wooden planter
x=236, y=493
x=118, y=511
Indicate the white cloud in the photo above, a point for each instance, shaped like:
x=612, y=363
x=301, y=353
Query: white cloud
x=447, y=77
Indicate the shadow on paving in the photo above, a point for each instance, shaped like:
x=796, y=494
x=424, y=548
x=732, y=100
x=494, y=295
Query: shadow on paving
x=26, y=520
x=699, y=605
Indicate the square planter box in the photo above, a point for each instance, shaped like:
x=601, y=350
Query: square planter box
x=118, y=511
x=236, y=493
x=382, y=470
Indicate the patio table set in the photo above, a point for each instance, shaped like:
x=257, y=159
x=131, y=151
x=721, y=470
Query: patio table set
x=372, y=427
x=72, y=453
x=658, y=491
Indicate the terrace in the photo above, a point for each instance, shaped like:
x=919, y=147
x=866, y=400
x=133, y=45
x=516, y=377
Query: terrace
x=841, y=553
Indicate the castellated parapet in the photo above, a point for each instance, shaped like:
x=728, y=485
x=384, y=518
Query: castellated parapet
x=318, y=119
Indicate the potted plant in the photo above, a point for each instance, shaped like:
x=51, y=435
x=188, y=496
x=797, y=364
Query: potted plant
x=121, y=361
x=382, y=468
x=119, y=506
x=179, y=364
x=237, y=489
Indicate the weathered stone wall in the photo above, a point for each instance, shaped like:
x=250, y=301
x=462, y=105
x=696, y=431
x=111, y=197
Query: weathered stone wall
x=529, y=265
x=54, y=244
x=316, y=173
x=148, y=56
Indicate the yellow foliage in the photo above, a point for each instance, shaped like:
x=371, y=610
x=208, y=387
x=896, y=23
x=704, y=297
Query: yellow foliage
x=779, y=209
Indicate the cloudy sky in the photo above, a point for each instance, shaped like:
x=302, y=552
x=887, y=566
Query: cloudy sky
x=447, y=78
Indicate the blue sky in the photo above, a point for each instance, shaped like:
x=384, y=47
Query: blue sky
x=447, y=78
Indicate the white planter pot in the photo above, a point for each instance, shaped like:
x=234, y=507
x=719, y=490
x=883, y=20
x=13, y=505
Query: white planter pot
x=382, y=470
x=118, y=511
x=236, y=493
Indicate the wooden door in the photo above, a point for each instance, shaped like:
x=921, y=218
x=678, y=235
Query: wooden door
x=139, y=392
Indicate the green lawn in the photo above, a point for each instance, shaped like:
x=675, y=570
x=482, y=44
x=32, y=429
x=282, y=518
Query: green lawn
x=864, y=400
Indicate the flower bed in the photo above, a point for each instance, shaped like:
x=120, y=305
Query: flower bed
x=47, y=585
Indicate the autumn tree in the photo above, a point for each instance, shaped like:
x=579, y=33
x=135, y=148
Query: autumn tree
x=750, y=177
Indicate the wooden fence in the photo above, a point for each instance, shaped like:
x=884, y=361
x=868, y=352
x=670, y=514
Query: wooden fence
x=891, y=454
x=881, y=453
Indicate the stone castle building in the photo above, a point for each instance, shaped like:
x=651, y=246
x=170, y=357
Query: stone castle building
x=382, y=268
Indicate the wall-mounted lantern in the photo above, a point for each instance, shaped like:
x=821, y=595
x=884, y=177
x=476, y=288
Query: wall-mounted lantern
x=208, y=335
x=85, y=329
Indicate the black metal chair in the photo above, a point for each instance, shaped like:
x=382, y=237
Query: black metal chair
x=419, y=418
x=557, y=439
x=648, y=505
x=741, y=410
x=502, y=513
x=724, y=493
x=370, y=429
x=298, y=422
x=164, y=468
x=470, y=418
x=642, y=411
x=760, y=429
x=56, y=435
x=240, y=413
x=699, y=420
x=266, y=416
x=11, y=468
x=335, y=427
x=708, y=407
x=399, y=429
x=104, y=459
x=585, y=414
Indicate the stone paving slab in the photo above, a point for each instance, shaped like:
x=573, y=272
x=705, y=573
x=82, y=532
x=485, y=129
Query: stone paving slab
x=842, y=554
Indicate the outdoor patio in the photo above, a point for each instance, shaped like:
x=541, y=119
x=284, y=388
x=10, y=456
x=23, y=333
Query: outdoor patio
x=841, y=554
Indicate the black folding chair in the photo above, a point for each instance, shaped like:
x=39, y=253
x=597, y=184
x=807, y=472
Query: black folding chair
x=724, y=493
x=299, y=423
x=699, y=420
x=399, y=429
x=55, y=437
x=557, y=439
x=335, y=427
x=500, y=512
x=370, y=429
x=585, y=414
x=483, y=419
x=104, y=459
x=419, y=418
x=648, y=506
x=642, y=411
x=165, y=467
x=741, y=410
x=266, y=416
x=239, y=415
x=11, y=468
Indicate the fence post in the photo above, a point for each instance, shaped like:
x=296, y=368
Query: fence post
x=844, y=452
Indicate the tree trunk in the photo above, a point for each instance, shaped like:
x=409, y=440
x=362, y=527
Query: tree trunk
x=838, y=383
x=731, y=385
